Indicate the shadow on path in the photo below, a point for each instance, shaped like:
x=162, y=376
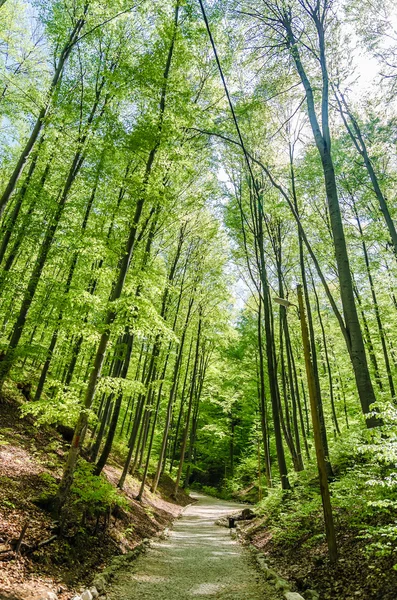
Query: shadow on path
x=199, y=559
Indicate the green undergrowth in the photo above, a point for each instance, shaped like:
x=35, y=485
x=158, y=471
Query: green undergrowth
x=290, y=526
x=363, y=490
x=98, y=521
x=212, y=491
x=242, y=487
x=91, y=496
x=364, y=494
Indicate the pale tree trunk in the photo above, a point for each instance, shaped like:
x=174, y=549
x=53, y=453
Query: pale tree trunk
x=271, y=366
x=368, y=338
x=298, y=397
x=381, y=330
x=294, y=395
x=327, y=362
x=12, y=218
x=323, y=143
x=154, y=422
x=146, y=378
x=357, y=138
x=19, y=238
x=263, y=289
x=293, y=441
x=122, y=363
x=181, y=407
x=310, y=318
x=174, y=387
x=193, y=434
x=172, y=397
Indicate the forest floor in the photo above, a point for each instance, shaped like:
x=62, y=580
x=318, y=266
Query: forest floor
x=30, y=458
x=198, y=559
x=305, y=565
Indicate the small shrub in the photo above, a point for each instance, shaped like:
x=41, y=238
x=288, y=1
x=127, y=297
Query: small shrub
x=94, y=495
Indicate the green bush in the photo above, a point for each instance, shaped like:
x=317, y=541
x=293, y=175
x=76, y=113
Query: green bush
x=93, y=494
x=363, y=493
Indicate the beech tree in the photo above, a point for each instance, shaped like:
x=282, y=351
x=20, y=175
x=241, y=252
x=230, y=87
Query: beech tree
x=167, y=172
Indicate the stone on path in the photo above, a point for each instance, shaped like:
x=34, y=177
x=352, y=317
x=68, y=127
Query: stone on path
x=292, y=596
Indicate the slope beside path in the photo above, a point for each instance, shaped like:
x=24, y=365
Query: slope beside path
x=199, y=559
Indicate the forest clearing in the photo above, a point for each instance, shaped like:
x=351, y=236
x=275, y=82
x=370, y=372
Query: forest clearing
x=198, y=315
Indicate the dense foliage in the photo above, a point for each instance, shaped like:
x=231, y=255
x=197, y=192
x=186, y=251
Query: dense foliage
x=160, y=187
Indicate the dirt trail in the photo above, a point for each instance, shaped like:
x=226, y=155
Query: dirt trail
x=199, y=559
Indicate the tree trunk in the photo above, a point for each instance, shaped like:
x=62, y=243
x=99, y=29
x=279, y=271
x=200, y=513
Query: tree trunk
x=181, y=407
x=189, y=409
x=172, y=397
x=262, y=398
x=67, y=48
x=323, y=143
x=381, y=330
x=328, y=365
x=361, y=147
x=118, y=288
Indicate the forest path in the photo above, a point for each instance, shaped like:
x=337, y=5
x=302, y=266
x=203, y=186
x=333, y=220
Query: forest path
x=199, y=559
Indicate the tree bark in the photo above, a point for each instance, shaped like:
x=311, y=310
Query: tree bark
x=323, y=143
x=189, y=409
x=66, y=50
x=361, y=147
x=262, y=398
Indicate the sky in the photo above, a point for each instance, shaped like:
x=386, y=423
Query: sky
x=366, y=83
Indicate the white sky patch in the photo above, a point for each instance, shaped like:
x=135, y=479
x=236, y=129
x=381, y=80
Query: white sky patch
x=364, y=83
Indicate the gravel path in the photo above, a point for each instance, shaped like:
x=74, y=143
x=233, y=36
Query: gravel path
x=199, y=559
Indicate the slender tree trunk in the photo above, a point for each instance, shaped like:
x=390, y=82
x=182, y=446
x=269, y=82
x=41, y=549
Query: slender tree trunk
x=172, y=397
x=298, y=399
x=328, y=365
x=130, y=406
x=300, y=465
x=189, y=409
x=262, y=398
x=371, y=350
x=287, y=420
x=181, y=407
x=124, y=264
x=272, y=375
x=122, y=362
x=140, y=446
x=255, y=206
x=357, y=138
x=321, y=462
x=323, y=143
x=142, y=399
x=12, y=219
x=13, y=253
x=163, y=313
x=193, y=434
x=101, y=432
x=381, y=330
x=64, y=55
x=156, y=412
